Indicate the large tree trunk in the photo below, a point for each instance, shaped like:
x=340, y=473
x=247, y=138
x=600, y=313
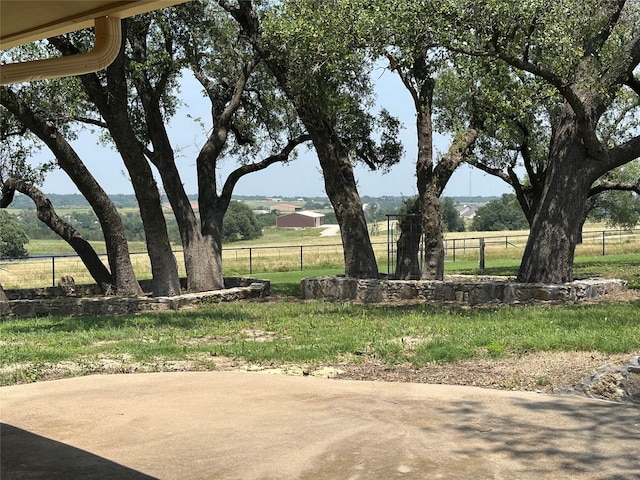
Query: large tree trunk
x=426, y=180
x=163, y=263
x=431, y=179
x=212, y=221
x=555, y=230
x=341, y=188
x=112, y=103
x=408, y=246
x=212, y=207
x=433, y=266
x=122, y=274
x=115, y=112
x=203, y=273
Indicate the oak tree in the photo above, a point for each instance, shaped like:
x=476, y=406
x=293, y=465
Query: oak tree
x=585, y=51
x=310, y=49
x=397, y=32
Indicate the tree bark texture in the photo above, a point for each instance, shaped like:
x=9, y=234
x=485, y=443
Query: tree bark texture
x=433, y=263
x=341, y=188
x=555, y=230
x=408, y=248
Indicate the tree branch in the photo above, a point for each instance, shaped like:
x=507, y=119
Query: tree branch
x=91, y=121
x=606, y=186
x=603, y=35
x=8, y=193
x=282, y=156
x=47, y=214
x=496, y=172
x=622, y=154
x=522, y=194
x=91, y=82
x=459, y=148
x=16, y=133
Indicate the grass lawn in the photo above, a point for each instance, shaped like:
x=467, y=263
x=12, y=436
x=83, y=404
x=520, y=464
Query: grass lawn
x=285, y=329
x=313, y=333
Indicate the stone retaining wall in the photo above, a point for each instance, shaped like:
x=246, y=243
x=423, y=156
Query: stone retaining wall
x=468, y=290
x=30, y=303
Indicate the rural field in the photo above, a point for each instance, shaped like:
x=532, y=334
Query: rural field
x=295, y=250
x=528, y=347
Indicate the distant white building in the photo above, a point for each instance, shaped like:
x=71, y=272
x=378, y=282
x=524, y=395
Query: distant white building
x=466, y=212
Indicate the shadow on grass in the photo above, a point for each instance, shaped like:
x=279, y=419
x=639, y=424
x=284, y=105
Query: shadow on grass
x=626, y=267
x=287, y=289
x=186, y=319
x=27, y=455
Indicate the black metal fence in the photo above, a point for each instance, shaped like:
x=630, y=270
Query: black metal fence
x=43, y=270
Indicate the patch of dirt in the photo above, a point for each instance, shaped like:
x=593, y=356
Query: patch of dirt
x=550, y=372
x=330, y=230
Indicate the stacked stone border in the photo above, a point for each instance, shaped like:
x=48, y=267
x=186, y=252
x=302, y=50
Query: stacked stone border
x=85, y=300
x=461, y=289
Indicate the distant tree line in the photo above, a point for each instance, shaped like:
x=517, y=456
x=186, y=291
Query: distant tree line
x=502, y=214
x=73, y=200
x=240, y=224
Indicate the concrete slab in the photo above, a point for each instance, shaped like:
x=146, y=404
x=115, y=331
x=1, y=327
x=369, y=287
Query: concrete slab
x=238, y=425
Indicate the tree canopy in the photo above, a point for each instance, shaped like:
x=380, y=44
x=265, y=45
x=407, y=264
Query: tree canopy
x=586, y=54
x=502, y=214
x=240, y=223
x=12, y=237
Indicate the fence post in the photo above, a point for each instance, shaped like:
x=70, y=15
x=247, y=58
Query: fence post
x=53, y=270
x=300, y=257
x=603, y=243
x=481, y=262
x=250, y=261
x=454, y=249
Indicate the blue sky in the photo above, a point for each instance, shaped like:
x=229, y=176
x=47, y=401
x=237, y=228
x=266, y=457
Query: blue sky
x=300, y=178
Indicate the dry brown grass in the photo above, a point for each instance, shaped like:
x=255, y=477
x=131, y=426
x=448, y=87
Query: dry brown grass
x=318, y=252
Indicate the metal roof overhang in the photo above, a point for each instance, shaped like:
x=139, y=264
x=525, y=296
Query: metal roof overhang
x=25, y=21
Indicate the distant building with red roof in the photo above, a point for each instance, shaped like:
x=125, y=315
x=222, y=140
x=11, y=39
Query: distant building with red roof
x=300, y=219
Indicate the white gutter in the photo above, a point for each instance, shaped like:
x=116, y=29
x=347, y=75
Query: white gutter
x=108, y=35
